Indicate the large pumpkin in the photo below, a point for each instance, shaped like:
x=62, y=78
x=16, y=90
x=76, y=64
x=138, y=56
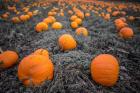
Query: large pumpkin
x=105, y=69
x=33, y=70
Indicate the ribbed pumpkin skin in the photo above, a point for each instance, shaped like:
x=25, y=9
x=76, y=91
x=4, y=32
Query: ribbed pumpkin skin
x=105, y=69
x=35, y=69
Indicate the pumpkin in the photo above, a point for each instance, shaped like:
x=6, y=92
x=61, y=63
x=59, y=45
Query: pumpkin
x=52, y=18
x=73, y=17
x=30, y=14
x=15, y=20
x=5, y=16
x=8, y=59
x=23, y=18
x=48, y=20
x=50, y=14
x=70, y=12
x=78, y=21
x=121, y=25
x=74, y=25
x=107, y=17
x=126, y=33
x=115, y=13
x=82, y=31
x=67, y=42
x=80, y=15
x=61, y=14
x=42, y=52
x=33, y=70
x=57, y=25
x=87, y=14
x=27, y=17
x=105, y=69
x=131, y=18
x=41, y=27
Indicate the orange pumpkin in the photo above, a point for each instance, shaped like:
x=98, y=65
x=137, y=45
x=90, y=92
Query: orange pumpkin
x=126, y=33
x=57, y=25
x=52, y=18
x=48, y=20
x=131, y=18
x=78, y=21
x=87, y=14
x=41, y=27
x=15, y=20
x=42, y=52
x=8, y=59
x=33, y=70
x=61, y=14
x=105, y=69
x=5, y=16
x=74, y=25
x=67, y=42
x=80, y=15
x=82, y=31
x=30, y=14
x=115, y=13
x=121, y=25
x=70, y=12
x=23, y=18
x=50, y=14
x=73, y=17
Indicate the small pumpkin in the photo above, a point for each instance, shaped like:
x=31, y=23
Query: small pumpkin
x=33, y=70
x=5, y=16
x=8, y=59
x=73, y=17
x=80, y=15
x=30, y=14
x=67, y=42
x=70, y=12
x=82, y=31
x=126, y=33
x=15, y=20
x=131, y=18
x=87, y=14
x=52, y=18
x=23, y=18
x=57, y=25
x=105, y=69
x=74, y=25
x=78, y=21
x=115, y=13
x=41, y=27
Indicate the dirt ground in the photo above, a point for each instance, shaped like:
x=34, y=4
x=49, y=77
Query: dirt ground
x=72, y=73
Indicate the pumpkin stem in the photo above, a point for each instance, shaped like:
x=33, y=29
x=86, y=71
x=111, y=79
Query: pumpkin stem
x=1, y=51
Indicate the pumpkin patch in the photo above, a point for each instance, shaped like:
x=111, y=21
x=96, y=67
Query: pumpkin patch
x=69, y=46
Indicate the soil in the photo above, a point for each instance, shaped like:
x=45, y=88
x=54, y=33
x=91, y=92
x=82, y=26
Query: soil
x=72, y=74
